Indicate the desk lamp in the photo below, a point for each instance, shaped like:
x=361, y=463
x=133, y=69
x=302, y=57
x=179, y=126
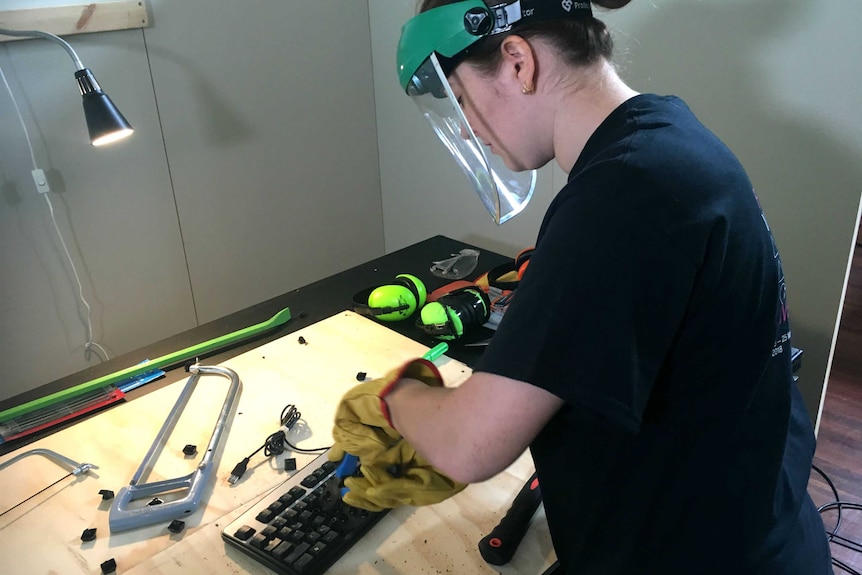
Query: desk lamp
x=104, y=121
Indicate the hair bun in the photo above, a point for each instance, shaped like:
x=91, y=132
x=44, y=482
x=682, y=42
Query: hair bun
x=611, y=4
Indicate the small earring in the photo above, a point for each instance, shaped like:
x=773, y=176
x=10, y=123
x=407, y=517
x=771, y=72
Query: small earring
x=527, y=90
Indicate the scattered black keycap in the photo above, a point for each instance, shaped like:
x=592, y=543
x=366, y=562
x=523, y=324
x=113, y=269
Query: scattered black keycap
x=88, y=534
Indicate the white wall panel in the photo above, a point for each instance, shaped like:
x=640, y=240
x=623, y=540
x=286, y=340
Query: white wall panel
x=253, y=171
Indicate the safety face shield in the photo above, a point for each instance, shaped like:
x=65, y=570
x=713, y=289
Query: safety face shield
x=446, y=34
x=503, y=192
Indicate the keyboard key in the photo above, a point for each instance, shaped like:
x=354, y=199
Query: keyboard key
x=297, y=535
x=305, y=529
x=259, y=541
x=279, y=522
x=297, y=552
x=265, y=516
x=296, y=492
x=310, y=481
x=302, y=563
x=282, y=549
x=276, y=507
x=244, y=532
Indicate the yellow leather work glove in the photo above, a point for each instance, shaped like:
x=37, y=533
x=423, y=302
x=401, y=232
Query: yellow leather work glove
x=363, y=428
x=362, y=424
x=398, y=476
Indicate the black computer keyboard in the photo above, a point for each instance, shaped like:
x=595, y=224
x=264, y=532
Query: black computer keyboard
x=303, y=526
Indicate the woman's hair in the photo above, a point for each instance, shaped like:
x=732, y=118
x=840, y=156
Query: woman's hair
x=580, y=41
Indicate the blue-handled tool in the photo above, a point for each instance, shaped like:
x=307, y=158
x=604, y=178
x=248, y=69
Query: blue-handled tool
x=349, y=464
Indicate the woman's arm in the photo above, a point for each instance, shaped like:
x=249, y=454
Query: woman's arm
x=474, y=431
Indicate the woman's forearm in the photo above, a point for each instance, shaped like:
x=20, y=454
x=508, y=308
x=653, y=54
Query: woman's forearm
x=464, y=434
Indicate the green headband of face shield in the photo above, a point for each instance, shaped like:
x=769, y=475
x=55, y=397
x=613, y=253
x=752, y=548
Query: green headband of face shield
x=450, y=30
x=432, y=44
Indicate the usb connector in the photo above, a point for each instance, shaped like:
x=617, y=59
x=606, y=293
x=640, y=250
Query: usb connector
x=238, y=471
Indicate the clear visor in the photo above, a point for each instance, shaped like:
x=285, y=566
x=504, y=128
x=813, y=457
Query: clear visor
x=503, y=192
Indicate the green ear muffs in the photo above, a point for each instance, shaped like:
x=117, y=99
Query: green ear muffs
x=455, y=313
x=394, y=301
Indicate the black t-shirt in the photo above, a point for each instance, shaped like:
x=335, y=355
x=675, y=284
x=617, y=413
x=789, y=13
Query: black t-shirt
x=654, y=304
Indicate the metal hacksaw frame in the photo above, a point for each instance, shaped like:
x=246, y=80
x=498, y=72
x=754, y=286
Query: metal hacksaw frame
x=124, y=516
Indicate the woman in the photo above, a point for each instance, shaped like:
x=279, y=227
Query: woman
x=645, y=357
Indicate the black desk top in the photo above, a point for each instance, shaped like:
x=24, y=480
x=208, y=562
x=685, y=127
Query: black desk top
x=308, y=305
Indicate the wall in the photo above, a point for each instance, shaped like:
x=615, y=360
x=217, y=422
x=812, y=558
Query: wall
x=776, y=79
x=253, y=170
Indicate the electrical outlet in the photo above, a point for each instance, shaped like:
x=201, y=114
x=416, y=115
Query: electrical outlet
x=41, y=181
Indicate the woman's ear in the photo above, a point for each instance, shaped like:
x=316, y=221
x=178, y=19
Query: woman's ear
x=519, y=63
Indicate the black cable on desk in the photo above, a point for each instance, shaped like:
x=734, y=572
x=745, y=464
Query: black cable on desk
x=276, y=443
x=833, y=534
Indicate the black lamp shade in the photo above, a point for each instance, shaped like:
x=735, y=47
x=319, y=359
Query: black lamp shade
x=104, y=121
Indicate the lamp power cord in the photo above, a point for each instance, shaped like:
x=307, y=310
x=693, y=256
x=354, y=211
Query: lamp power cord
x=42, y=187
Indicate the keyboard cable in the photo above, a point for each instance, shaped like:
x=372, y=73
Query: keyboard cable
x=276, y=443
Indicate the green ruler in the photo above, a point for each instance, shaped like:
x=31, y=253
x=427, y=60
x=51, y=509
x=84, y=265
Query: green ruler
x=166, y=360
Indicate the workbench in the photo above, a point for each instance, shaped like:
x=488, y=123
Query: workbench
x=309, y=363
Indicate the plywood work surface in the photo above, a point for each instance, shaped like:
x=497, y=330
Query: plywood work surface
x=44, y=534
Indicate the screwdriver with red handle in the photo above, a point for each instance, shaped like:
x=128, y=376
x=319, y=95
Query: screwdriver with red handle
x=498, y=547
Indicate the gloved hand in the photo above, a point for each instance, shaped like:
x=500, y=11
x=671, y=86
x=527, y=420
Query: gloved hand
x=398, y=476
x=392, y=472
x=362, y=423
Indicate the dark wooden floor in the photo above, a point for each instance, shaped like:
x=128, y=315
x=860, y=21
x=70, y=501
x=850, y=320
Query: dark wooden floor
x=839, y=440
